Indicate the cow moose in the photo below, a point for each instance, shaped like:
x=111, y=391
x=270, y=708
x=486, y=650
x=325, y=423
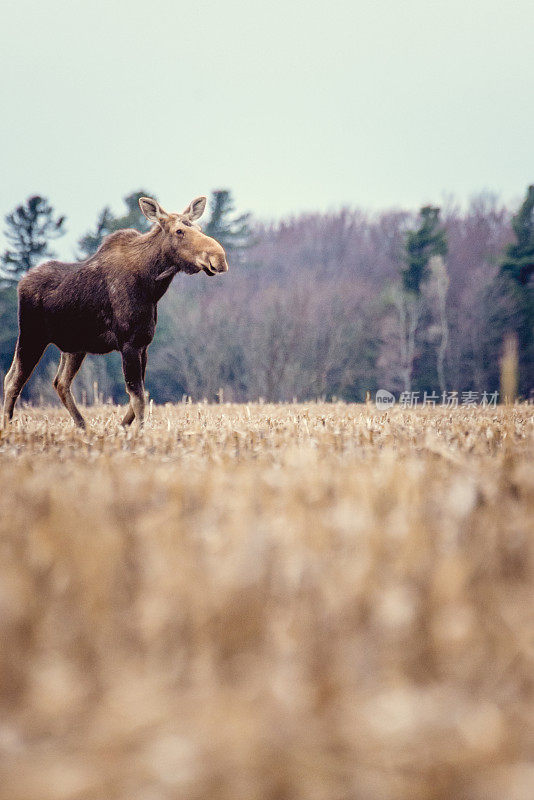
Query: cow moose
x=108, y=302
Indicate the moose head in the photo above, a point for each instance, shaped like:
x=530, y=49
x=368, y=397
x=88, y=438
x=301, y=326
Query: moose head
x=184, y=244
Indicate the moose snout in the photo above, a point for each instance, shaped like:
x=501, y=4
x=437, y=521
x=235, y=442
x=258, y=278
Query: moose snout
x=213, y=263
x=219, y=263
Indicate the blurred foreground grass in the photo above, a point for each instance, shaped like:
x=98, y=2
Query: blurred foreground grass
x=275, y=602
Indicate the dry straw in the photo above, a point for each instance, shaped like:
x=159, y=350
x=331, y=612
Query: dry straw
x=275, y=602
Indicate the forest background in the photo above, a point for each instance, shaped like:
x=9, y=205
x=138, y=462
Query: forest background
x=319, y=305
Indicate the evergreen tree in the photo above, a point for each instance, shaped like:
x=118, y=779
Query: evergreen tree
x=232, y=231
x=517, y=268
x=92, y=240
x=427, y=241
x=30, y=229
x=8, y=325
x=518, y=262
x=134, y=217
x=107, y=223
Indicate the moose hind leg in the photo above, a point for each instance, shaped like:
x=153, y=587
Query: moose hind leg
x=24, y=362
x=133, y=376
x=128, y=417
x=69, y=365
x=130, y=414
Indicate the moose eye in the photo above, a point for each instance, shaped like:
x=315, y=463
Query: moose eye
x=180, y=232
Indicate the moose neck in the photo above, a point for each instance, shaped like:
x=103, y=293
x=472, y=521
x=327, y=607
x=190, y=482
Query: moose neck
x=150, y=256
x=145, y=254
x=148, y=252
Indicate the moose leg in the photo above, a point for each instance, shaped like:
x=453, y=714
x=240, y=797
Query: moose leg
x=130, y=415
x=24, y=362
x=69, y=365
x=133, y=376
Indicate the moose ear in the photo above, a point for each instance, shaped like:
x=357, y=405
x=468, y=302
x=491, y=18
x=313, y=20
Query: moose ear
x=152, y=210
x=195, y=209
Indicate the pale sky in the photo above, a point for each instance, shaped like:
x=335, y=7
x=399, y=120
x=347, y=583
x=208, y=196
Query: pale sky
x=293, y=105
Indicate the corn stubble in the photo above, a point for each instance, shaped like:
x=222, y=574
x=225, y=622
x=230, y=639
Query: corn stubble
x=275, y=602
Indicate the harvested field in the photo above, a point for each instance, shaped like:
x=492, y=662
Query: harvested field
x=268, y=602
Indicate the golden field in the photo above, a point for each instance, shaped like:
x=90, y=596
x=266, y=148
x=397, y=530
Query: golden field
x=268, y=602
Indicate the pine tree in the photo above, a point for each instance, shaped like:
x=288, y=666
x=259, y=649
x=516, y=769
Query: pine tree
x=427, y=241
x=233, y=232
x=92, y=240
x=423, y=244
x=518, y=262
x=134, y=217
x=107, y=223
x=8, y=324
x=517, y=268
x=30, y=229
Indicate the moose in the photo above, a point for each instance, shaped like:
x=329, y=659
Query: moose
x=108, y=302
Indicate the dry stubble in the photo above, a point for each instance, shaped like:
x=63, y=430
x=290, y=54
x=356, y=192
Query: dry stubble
x=285, y=602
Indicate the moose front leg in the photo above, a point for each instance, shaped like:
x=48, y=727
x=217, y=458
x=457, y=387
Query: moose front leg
x=130, y=415
x=132, y=366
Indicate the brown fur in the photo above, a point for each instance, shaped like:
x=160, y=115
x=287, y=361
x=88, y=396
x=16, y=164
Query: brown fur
x=108, y=302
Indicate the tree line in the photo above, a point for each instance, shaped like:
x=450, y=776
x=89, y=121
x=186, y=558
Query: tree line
x=317, y=305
